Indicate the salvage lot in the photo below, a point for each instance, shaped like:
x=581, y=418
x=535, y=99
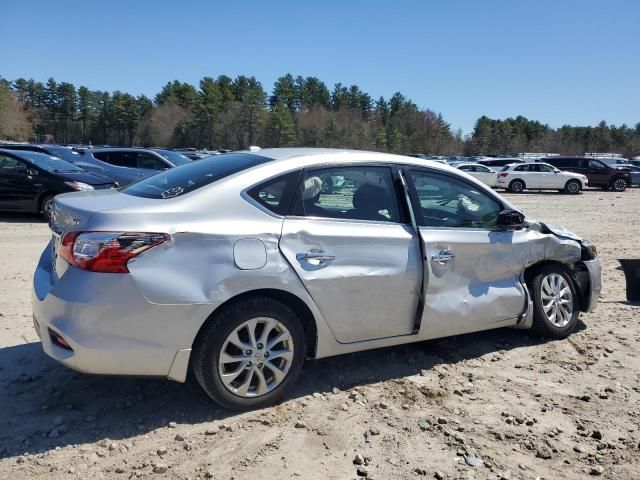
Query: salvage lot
x=485, y=405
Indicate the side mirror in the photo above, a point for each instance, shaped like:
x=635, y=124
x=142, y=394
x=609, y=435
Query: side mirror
x=32, y=171
x=510, y=220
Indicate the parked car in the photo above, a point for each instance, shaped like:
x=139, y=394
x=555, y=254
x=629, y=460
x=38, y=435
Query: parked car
x=30, y=180
x=634, y=173
x=240, y=267
x=598, y=173
x=483, y=173
x=539, y=176
x=65, y=153
x=499, y=162
x=127, y=165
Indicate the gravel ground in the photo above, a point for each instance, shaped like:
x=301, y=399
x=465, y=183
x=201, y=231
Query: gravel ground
x=497, y=404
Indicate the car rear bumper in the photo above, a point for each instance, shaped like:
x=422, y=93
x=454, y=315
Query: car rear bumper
x=109, y=326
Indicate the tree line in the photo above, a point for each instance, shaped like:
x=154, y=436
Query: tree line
x=234, y=113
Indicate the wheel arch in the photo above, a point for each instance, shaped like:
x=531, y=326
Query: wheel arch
x=575, y=273
x=574, y=180
x=295, y=303
x=37, y=205
x=518, y=179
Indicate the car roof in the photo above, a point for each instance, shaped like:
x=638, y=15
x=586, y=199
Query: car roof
x=24, y=154
x=121, y=149
x=340, y=155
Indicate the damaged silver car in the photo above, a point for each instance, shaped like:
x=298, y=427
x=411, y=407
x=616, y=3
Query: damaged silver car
x=242, y=266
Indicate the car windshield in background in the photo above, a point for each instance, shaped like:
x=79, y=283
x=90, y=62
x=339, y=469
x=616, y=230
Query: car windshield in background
x=64, y=153
x=178, y=181
x=175, y=158
x=49, y=163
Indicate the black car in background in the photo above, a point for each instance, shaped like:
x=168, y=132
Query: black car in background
x=65, y=153
x=598, y=173
x=30, y=180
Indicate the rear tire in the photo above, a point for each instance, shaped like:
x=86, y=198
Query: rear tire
x=619, y=185
x=45, y=206
x=555, y=302
x=572, y=187
x=252, y=376
x=516, y=186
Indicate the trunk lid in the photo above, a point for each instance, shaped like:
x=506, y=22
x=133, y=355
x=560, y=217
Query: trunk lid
x=72, y=211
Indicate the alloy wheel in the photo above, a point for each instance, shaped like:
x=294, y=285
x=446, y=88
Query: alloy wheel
x=256, y=357
x=573, y=187
x=557, y=299
x=620, y=185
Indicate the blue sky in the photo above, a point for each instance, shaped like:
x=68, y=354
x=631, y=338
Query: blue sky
x=562, y=61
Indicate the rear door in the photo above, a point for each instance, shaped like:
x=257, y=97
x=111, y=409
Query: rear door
x=350, y=242
x=472, y=268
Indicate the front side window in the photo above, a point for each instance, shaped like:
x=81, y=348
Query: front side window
x=545, y=168
x=596, y=165
x=522, y=168
x=451, y=203
x=355, y=193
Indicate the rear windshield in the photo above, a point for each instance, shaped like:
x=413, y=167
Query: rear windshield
x=187, y=178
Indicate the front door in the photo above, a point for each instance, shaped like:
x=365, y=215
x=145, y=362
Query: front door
x=18, y=189
x=597, y=173
x=472, y=268
x=354, y=253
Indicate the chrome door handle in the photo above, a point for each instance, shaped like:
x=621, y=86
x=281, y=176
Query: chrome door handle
x=443, y=257
x=319, y=256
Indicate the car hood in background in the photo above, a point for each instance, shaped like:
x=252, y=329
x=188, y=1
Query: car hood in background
x=86, y=177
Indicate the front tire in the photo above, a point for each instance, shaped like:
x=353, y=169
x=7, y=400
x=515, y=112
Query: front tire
x=249, y=353
x=555, y=302
x=572, y=187
x=516, y=186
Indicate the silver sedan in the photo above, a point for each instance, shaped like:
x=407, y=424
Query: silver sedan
x=244, y=265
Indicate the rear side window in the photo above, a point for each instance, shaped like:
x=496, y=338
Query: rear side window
x=276, y=194
x=178, y=181
x=146, y=160
x=353, y=193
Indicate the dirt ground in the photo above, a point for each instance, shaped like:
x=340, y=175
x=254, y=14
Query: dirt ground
x=499, y=404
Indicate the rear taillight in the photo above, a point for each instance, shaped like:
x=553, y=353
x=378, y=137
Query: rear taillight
x=106, y=251
x=504, y=174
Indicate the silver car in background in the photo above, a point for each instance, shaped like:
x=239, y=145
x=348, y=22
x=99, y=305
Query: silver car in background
x=244, y=265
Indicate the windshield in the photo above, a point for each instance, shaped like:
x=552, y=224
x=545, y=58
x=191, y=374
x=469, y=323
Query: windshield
x=175, y=158
x=187, y=178
x=50, y=163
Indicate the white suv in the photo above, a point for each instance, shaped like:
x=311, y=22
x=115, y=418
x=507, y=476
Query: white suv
x=517, y=177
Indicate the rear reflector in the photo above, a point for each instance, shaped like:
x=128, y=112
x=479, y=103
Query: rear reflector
x=59, y=341
x=106, y=251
